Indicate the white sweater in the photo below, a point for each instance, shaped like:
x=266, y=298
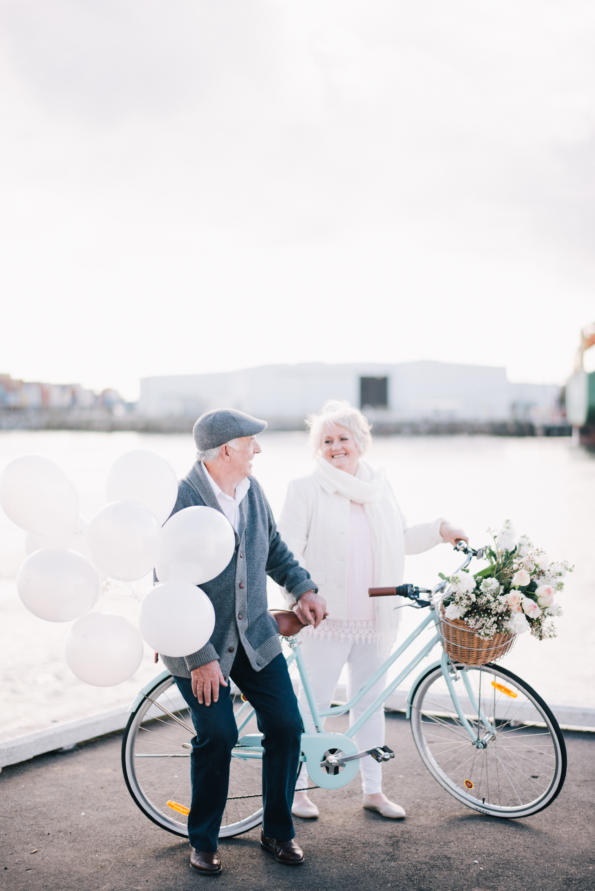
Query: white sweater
x=315, y=524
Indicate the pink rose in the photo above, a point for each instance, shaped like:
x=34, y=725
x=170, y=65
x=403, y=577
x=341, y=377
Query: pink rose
x=514, y=601
x=545, y=595
x=530, y=608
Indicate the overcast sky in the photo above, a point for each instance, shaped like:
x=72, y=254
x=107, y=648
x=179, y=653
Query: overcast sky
x=194, y=186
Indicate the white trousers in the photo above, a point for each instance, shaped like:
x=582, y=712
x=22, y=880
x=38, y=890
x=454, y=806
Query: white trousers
x=324, y=660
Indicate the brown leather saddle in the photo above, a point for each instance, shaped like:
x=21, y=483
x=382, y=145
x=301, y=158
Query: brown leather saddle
x=288, y=622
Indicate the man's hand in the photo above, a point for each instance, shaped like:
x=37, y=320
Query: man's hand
x=452, y=533
x=311, y=609
x=206, y=681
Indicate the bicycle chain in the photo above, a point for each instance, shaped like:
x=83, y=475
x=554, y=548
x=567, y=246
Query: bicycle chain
x=259, y=794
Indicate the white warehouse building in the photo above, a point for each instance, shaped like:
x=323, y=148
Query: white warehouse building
x=409, y=391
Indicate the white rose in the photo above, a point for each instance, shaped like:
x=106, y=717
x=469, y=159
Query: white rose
x=463, y=583
x=467, y=583
x=490, y=586
x=453, y=611
x=518, y=623
x=521, y=578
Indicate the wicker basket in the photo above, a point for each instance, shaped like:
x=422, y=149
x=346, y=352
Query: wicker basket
x=463, y=645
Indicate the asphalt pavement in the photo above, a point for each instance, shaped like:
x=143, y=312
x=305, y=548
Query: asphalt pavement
x=69, y=824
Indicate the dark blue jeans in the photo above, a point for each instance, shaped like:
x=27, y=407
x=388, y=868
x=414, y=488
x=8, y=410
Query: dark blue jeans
x=270, y=692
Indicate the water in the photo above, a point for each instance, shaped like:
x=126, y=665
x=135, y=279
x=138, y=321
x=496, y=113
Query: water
x=546, y=486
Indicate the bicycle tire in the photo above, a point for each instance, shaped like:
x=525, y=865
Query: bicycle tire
x=515, y=770
x=156, y=751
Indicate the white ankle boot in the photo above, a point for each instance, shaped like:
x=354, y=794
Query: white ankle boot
x=303, y=807
x=385, y=808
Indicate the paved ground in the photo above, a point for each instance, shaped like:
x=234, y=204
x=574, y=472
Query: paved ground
x=67, y=822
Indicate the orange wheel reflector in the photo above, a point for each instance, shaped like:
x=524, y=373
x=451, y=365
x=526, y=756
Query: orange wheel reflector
x=506, y=690
x=468, y=784
x=180, y=808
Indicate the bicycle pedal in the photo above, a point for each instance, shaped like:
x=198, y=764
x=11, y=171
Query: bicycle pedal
x=381, y=753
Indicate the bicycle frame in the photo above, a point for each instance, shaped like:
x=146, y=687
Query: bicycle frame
x=315, y=743
x=386, y=692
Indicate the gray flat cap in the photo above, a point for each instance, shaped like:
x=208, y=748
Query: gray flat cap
x=214, y=428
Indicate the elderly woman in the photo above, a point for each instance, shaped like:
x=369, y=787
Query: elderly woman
x=344, y=525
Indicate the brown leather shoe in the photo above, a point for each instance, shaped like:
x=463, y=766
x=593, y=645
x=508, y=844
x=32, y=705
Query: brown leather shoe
x=287, y=852
x=207, y=862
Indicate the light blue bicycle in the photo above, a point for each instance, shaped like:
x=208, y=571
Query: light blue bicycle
x=483, y=733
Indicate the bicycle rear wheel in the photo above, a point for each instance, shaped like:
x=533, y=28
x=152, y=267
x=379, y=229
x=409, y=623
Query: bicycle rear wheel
x=506, y=757
x=156, y=751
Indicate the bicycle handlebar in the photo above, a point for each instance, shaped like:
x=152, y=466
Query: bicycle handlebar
x=412, y=592
x=398, y=590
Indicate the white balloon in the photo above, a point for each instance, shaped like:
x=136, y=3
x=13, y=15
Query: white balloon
x=124, y=539
x=143, y=476
x=103, y=649
x=38, y=496
x=176, y=618
x=197, y=543
x=58, y=585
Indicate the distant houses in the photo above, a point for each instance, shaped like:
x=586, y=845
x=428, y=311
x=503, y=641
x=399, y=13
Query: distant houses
x=28, y=403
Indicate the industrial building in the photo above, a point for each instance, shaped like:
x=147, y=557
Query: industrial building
x=408, y=392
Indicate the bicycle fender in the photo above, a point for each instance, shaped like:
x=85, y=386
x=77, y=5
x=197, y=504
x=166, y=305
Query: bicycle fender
x=148, y=688
x=314, y=748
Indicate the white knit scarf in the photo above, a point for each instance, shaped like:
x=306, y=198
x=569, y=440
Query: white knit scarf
x=371, y=489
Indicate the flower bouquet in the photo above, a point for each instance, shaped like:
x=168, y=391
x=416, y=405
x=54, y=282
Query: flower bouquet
x=482, y=613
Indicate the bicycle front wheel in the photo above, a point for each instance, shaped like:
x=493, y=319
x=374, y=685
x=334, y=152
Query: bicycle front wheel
x=500, y=752
x=156, y=751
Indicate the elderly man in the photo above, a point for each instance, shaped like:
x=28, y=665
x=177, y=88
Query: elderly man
x=244, y=645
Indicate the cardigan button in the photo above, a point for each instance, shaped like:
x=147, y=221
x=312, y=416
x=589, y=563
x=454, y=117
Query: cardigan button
x=241, y=585
x=240, y=616
x=230, y=649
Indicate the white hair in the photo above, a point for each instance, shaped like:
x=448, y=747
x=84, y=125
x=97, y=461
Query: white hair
x=213, y=454
x=339, y=412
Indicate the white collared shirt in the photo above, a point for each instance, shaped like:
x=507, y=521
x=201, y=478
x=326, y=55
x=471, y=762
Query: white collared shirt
x=228, y=504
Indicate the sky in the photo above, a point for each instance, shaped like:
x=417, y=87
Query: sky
x=193, y=187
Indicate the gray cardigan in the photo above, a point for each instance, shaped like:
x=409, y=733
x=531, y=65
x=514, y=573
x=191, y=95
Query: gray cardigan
x=239, y=593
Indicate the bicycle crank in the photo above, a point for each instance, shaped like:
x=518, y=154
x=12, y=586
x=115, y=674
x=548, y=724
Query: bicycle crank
x=335, y=765
x=331, y=759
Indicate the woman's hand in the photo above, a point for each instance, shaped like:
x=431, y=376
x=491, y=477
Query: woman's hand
x=452, y=534
x=311, y=609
